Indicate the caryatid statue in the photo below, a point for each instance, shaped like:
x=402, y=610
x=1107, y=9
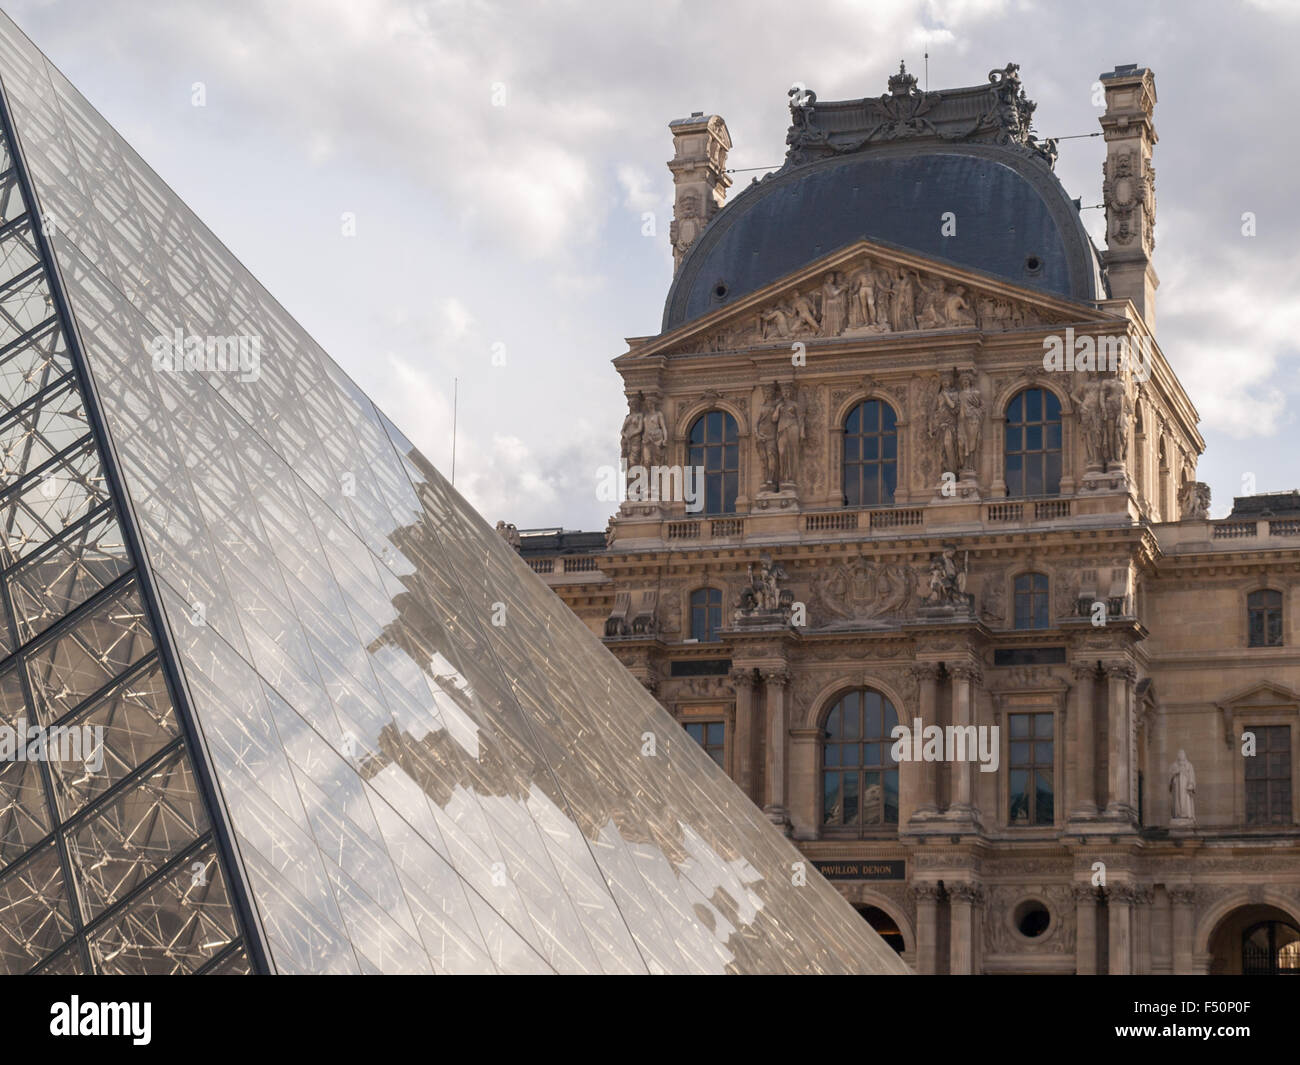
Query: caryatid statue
x=947, y=426
x=1115, y=418
x=765, y=437
x=654, y=437
x=971, y=420
x=630, y=435
x=789, y=435
x=1088, y=402
x=1182, y=789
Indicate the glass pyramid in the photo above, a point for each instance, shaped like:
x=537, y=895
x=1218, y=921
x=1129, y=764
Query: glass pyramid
x=344, y=727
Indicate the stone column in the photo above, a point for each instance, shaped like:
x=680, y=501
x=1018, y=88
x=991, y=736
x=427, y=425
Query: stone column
x=926, y=897
x=1142, y=940
x=1085, y=916
x=804, y=783
x=1122, y=898
x=743, y=759
x=964, y=901
x=1119, y=798
x=965, y=677
x=1084, y=787
x=777, y=686
x=918, y=782
x=1182, y=898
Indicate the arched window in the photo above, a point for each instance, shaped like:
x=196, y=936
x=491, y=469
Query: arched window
x=1031, y=601
x=1033, y=444
x=706, y=614
x=870, y=454
x=1264, y=618
x=859, y=774
x=715, y=448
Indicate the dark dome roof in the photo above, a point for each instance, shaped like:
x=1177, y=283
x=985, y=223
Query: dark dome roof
x=1013, y=220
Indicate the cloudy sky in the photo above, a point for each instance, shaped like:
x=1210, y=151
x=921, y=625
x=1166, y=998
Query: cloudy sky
x=498, y=159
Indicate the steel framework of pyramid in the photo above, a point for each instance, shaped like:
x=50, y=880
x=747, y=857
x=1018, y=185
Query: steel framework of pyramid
x=344, y=727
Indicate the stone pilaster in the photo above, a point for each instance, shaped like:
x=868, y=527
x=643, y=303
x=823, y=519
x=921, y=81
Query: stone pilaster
x=1084, y=787
x=919, y=781
x=1182, y=899
x=926, y=897
x=966, y=677
x=743, y=755
x=964, y=901
x=776, y=684
x=1120, y=804
x=1121, y=899
x=1085, y=917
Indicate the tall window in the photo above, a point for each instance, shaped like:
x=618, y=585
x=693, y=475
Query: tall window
x=706, y=614
x=859, y=774
x=1031, y=601
x=1033, y=444
x=711, y=735
x=1264, y=618
x=714, y=446
x=1032, y=767
x=870, y=454
x=1268, y=777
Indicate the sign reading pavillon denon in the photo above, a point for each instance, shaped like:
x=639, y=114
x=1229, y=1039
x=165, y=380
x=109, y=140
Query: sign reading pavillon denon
x=863, y=870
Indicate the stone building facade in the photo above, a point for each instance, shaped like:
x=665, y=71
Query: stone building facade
x=913, y=456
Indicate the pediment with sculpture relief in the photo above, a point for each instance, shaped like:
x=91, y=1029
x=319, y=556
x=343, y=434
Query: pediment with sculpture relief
x=868, y=291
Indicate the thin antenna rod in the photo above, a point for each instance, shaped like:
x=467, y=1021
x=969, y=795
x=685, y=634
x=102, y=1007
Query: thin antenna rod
x=927, y=70
x=455, y=402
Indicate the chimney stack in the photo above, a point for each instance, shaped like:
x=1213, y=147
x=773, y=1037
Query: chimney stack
x=1128, y=190
x=699, y=167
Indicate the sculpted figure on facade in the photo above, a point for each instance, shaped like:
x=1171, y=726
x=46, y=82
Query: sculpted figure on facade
x=654, y=435
x=970, y=421
x=835, y=305
x=930, y=315
x=1087, y=400
x=805, y=314
x=1182, y=790
x=1116, y=416
x=630, y=439
x=686, y=226
x=763, y=596
x=945, y=425
x=904, y=309
x=1194, y=501
x=863, y=285
x=948, y=579
x=765, y=437
x=777, y=321
x=789, y=435
x=956, y=308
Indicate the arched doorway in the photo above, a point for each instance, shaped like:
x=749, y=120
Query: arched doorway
x=1256, y=940
x=1270, y=948
x=886, y=927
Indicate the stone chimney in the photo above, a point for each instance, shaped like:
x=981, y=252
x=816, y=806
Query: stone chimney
x=699, y=166
x=1128, y=190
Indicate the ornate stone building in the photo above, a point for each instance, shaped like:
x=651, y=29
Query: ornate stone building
x=916, y=458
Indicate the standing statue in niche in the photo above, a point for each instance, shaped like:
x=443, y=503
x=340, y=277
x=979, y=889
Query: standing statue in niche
x=947, y=426
x=765, y=437
x=835, y=305
x=789, y=435
x=1115, y=419
x=1182, y=790
x=1088, y=402
x=971, y=412
x=630, y=438
x=654, y=436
